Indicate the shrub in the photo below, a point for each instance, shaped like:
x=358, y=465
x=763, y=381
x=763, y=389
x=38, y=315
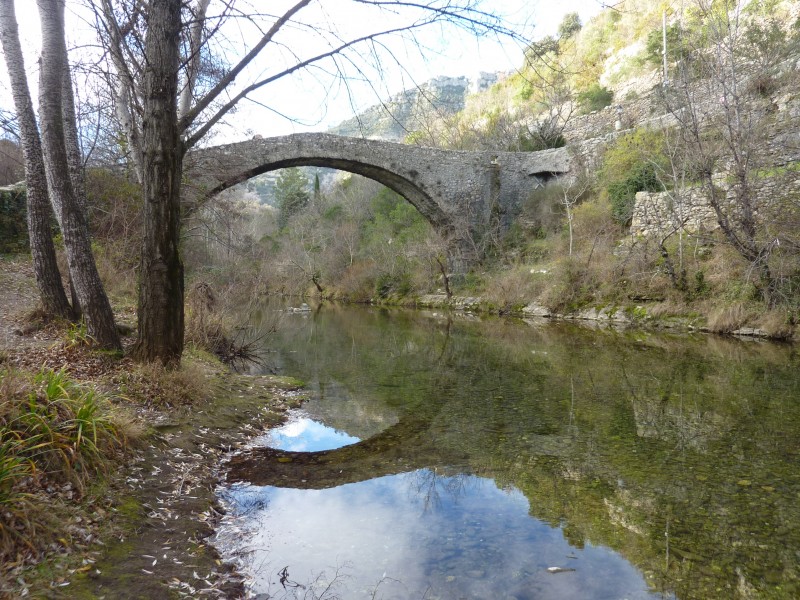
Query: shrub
x=595, y=98
x=634, y=163
x=763, y=85
x=528, y=141
x=622, y=194
x=13, y=224
x=398, y=284
x=570, y=25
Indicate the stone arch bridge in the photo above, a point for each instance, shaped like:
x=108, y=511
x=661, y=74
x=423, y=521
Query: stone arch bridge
x=459, y=193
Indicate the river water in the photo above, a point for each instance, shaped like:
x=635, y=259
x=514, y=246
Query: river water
x=452, y=457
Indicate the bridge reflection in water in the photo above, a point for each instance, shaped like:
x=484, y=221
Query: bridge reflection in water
x=402, y=535
x=651, y=465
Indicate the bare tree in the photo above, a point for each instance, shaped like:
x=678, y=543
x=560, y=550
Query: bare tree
x=48, y=277
x=573, y=190
x=720, y=116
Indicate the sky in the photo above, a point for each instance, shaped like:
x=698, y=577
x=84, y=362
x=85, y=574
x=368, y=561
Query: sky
x=317, y=101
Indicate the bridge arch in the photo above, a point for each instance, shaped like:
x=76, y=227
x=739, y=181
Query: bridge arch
x=426, y=205
x=460, y=193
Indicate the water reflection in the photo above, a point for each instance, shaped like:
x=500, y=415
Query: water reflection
x=418, y=535
x=300, y=433
x=494, y=451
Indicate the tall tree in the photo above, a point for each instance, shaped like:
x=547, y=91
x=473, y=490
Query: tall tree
x=69, y=207
x=161, y=313
x=43, y=253
x=291, y=193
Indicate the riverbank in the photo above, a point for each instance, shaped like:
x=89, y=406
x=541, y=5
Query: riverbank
x=137, y=528
x=654, y=315
x=139, y=531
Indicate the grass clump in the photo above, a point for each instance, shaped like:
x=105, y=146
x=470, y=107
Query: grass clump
x=52, y=432
x=153, y=384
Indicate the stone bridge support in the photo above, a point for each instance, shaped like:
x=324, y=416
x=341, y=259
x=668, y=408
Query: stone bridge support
x=466, y=196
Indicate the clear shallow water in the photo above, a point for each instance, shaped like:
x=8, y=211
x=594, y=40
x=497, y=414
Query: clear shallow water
x=457, y=459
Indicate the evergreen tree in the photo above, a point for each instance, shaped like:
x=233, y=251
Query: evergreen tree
x=291, y=193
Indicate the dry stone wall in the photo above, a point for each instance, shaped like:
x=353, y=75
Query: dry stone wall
x=775, y=168
x=662, y=213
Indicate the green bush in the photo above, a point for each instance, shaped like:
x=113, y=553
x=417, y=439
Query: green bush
x=13, y=223
x=633, y=164
x=622, y=194
x=595, y=98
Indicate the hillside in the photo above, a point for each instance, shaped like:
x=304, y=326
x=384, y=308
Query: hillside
x=411, y=109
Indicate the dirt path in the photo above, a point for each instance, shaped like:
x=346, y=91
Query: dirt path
x=18, y=295
x=167, y=500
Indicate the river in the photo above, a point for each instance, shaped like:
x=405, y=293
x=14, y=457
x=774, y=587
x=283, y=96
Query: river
x=446, y=456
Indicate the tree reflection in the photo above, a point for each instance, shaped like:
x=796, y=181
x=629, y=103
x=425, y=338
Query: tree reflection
x=428, y=486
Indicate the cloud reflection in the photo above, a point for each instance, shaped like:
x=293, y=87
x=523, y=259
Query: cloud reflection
x=475, y=541
x=302, y=434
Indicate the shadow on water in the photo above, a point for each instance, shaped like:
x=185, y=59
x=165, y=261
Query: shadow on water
x=498, y=459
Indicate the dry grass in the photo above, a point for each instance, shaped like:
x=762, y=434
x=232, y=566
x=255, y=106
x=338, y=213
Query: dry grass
x=667, y=308
x=155, y=384
x=777, y=323
x=514, y=287
x=724, y=319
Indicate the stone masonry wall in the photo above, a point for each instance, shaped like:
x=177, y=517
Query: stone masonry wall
x=664, y=213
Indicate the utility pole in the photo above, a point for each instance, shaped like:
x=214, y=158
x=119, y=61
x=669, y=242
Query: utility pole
x=664, y=45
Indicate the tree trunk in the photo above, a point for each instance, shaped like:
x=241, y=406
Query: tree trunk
x=43, y=253
x=74, y=154
x=88, y=286
x=161, y=288
x=75, y=161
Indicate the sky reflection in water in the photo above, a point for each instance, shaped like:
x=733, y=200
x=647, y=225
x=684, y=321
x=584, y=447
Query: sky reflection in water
x=302, y=434
x=414, y=535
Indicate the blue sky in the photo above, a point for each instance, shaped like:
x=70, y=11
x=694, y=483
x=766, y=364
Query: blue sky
x=317, y=102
